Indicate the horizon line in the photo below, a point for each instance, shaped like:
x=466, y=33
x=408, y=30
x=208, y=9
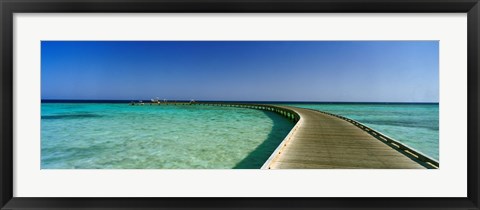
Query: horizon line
x=293, y=101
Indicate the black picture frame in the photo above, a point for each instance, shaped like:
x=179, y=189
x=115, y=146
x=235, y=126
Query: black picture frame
x=9, y=7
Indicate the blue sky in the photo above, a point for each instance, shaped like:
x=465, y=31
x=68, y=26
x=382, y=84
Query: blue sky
x=345, y=71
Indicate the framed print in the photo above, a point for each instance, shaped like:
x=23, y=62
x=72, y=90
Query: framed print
x=239, y=105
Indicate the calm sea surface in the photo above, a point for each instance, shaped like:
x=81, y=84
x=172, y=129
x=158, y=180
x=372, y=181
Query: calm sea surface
x=106, y=135
x=91, y=136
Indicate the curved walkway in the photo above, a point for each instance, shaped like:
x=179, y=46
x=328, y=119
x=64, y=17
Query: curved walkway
x=325, y=141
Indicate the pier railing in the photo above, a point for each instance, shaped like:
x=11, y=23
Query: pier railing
x=417, y=156
x=289, y=114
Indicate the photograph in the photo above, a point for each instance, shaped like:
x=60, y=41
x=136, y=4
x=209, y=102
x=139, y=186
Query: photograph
x=239, y=104
x=202, y=104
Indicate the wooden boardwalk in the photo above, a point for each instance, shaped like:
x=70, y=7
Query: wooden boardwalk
x=322, y=140
x=325, y=141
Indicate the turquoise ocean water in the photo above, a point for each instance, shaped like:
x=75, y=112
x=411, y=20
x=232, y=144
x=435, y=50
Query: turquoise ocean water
x=92, y=136
x=119, y=136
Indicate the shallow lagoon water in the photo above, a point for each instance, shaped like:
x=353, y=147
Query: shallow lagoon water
x=119, y=136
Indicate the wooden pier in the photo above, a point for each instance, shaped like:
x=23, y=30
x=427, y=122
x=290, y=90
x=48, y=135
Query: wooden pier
x=326, y=141
x=321, y=140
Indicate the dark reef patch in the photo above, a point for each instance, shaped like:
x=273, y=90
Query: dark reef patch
x=70, y=116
